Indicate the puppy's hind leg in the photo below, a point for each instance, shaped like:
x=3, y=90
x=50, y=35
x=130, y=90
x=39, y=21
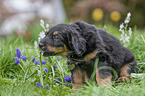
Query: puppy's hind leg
x=103, y=76
x=126, y=70
x=103, y=80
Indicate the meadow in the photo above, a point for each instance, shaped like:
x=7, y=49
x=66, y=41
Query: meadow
x=26, y=77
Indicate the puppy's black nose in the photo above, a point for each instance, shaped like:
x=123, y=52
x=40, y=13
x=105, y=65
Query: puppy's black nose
x=41, y=45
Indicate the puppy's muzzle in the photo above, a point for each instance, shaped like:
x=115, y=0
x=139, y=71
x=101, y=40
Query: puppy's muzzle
x=41, y=45
x=46, y=51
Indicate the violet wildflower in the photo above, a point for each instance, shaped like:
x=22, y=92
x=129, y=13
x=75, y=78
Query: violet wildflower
x=24, y=58
x=38, y=84
x=45, y=69
x=17, y=60
x=33, y=59
x=58, y=80
x=43, y=62
x=18, y=53
x=67, y=78
x=54, y=66
x=37, y=62
x=47, y=86
x=66, y=85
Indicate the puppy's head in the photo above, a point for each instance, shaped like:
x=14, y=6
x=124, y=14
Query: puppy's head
x=62, y=39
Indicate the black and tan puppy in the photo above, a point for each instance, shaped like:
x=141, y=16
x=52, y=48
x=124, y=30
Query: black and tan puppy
x=82, y=43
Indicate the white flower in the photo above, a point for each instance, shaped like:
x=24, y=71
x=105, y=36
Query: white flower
x=126, y=21
x=127, y=18
x=127, y=38
x=128, y=15
x=39, y=39
x=42, y=34
x=124, y=38
x=121, y=30
x=42, y=23
x=130, y=31
x=47, y=25
x=35, y=45
x=121, y=26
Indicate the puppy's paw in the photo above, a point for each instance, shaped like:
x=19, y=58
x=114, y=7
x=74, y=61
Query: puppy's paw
x=124, y=79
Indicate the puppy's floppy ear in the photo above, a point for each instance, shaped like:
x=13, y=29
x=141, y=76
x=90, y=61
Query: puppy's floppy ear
x=79, y=43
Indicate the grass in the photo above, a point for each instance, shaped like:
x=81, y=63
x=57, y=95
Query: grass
x=15, y=82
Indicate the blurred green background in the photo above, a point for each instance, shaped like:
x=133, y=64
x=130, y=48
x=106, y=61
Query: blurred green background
x=22, y=18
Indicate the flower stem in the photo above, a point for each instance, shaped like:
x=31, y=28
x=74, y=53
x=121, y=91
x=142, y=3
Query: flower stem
x=41, y=71
x=52, y=75
x=22, y=67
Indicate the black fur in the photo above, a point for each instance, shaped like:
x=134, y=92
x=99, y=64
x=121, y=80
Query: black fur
x=81, y=39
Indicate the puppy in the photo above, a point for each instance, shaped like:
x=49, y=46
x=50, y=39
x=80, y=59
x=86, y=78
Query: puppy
x=82, y=43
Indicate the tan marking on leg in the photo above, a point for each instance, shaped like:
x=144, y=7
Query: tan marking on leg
x=85, y=77
x=124, y=73
x=124, y=70
x=90, y=56
x=77, y=79
x=103, y=82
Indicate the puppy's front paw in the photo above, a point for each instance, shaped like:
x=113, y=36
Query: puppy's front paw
x=77, y=86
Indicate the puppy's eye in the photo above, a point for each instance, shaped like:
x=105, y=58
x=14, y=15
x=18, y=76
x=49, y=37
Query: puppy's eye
x=56, y=37
x=46, y=33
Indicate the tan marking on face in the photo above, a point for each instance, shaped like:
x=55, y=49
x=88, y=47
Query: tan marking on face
x=56, y=32
x=47, y=30
x=103, y=82
x=124, y=70
x=90, y=55
x=58, y=50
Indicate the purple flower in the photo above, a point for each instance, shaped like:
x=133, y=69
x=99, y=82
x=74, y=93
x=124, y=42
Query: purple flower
x=45, y=69
x=17, y=60
x=33, y=59
x=38, y=84
x=54, y=66
x=24, y=58
x=18, y=53
x=47, y=86
x=67, y=78
x=58, y=80
x=37, y=62
x=43, y=62
x=66, y=85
